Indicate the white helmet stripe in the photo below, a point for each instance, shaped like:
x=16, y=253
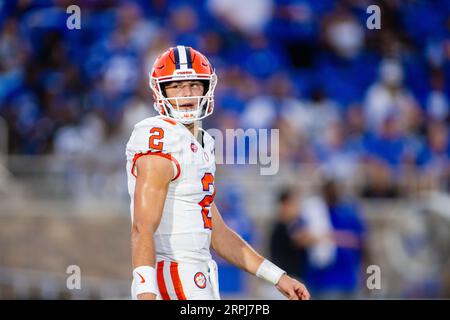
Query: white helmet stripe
x=183, y=58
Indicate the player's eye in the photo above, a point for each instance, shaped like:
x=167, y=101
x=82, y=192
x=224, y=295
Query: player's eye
x=174, y=86
x=196, y=85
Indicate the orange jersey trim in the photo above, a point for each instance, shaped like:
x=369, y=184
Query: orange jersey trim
x=173, y=122
x=176, y=281
x=164, y=155
x=161, y=283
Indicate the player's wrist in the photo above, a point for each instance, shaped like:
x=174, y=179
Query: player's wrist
x=144, y=281
x=270, y=272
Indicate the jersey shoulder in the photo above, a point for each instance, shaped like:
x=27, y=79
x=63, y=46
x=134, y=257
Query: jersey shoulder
x=157, y=121
x=155, y=134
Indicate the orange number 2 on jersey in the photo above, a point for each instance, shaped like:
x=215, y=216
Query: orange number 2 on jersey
x=156, y=134
x=207, y=181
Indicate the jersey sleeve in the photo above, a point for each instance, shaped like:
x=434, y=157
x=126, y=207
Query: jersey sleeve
x=155, y=138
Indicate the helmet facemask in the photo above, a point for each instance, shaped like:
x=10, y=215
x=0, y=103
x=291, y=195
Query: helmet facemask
x=203, y=105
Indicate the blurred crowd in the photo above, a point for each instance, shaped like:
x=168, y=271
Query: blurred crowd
x=345, y=97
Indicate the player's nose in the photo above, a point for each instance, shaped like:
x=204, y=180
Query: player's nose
x=186, y=91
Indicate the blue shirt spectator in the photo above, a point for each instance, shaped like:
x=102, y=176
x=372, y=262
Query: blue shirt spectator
x=343, y=274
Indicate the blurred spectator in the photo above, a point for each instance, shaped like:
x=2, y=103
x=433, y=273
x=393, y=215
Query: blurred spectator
x=343, y=33
x=295, y=25
x=355, y=125
x=139, y=32
x=342, y=67
x=279, y=101
x=388, y=144
x=434, y=158
x=135, y=111
x=185, y=24
x=379, y=182
x=13, y=55
x=250, y=18
x=437, y=101
x=388, y=96
x=333, y=232
x=295, y=148
x=386, y=152
x=335, y=153
x=321, y=112
x=260, y=57
x=80, y=138
x=284, y=252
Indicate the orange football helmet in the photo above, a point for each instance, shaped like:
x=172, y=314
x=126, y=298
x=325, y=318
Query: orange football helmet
x=178, y=64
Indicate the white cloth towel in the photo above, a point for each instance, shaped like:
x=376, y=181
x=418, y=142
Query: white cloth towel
x=315, y=213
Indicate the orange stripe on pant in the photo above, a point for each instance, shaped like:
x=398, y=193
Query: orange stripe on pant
x=176, y=281
x=161, y=282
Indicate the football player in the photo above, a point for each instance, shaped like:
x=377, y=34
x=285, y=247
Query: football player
x=171, y=172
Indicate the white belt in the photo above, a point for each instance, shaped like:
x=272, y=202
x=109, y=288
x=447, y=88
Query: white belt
x=214, y=278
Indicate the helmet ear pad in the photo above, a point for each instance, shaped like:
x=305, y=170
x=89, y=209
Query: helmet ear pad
x=163, y=89
x=205, y=86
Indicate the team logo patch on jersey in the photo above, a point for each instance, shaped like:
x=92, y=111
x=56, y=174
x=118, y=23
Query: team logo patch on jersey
x=194, y=148
x=200, y=280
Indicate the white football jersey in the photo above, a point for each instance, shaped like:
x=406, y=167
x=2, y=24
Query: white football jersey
x=184, y=233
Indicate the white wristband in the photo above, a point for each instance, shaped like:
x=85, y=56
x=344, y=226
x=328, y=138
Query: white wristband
x=144, y=281
x=269, y=272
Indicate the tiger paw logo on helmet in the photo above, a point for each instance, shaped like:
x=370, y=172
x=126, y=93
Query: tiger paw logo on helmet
x=200, y=280
x=182, y=63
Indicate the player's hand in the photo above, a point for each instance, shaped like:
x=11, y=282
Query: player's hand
x=292, y=289
x=146, y=296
